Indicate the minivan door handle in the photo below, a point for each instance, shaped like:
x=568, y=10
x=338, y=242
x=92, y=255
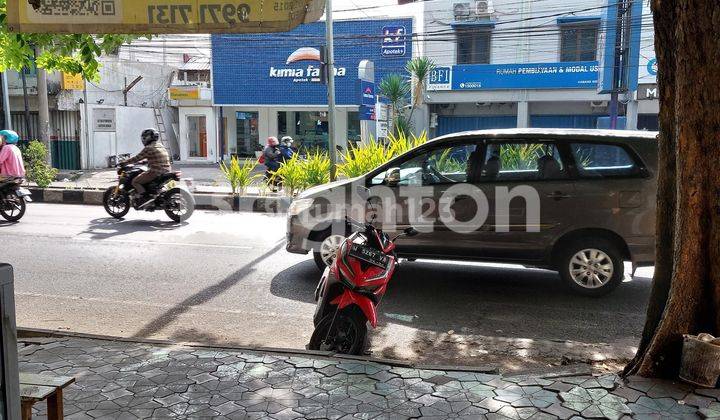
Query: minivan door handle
x=558, y=195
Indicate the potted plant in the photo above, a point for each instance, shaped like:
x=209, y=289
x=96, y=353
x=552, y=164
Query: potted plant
x=239, y=176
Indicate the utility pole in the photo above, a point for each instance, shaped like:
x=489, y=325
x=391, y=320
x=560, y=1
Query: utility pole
x=6, y=101
x=330, y=66
x=620, y=62
x=28, y=134
x=43, y=108
x=130, y=86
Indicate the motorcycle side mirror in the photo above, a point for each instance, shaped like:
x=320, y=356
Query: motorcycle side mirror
x=362, y=191
x=392, y=177
x=411, y=231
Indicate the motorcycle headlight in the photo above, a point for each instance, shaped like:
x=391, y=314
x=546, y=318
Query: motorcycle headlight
x=298, y=206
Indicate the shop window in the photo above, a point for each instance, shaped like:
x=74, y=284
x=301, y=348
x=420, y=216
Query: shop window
x=473, y=46
x=578, y=42
x=248, y=141
x=353, y=127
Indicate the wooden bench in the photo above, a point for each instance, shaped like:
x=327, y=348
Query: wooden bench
x=35, y=388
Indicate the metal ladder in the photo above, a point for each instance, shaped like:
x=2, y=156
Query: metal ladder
x=160, y=122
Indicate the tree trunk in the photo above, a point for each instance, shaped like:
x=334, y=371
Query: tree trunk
x=685, y=297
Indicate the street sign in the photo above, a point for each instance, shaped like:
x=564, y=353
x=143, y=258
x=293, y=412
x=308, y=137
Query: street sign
x=160, y=16
x=104, y=119
x=72, y=82
x=184, y=92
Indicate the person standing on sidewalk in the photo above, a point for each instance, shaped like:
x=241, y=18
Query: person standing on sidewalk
x=11, y=161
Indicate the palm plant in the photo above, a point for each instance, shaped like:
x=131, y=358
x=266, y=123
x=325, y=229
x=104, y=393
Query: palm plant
x=419, y=69
x=239, y=175
x=396, y=89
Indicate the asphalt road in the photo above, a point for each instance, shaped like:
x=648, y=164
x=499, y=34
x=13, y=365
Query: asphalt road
x=225, y=278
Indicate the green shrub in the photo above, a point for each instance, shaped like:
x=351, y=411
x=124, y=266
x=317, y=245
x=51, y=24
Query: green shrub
x=401, y=143
x=520, y=156
x=36, y=166
x=239, y=175
x=292, y=175
x=363, y=158
x=317, y=169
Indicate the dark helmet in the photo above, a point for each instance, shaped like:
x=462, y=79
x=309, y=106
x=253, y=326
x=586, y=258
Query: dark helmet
x=149, y=135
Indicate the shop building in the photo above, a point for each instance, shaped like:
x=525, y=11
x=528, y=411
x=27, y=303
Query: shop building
x=509, y=63
x=269, y=84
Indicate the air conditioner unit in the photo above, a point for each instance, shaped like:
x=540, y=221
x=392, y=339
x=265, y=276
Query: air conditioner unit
x=482, y=7
x=598, y=104
x=461, y=11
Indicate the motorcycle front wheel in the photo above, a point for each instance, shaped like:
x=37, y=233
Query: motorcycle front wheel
x=12, y=208
x=116, y=205
x=340, y=332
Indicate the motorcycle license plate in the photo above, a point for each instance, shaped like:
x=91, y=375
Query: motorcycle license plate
x=370, y=255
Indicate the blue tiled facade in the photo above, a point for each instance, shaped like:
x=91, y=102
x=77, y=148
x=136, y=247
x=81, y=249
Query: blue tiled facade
x=279, y=69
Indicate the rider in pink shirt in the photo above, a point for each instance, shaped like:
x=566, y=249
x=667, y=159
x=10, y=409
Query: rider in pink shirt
x=11, y=162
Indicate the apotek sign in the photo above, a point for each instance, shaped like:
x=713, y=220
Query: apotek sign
x=160, y=16
x=394, y=41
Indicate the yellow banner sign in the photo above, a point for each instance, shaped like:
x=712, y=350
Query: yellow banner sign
x=184, y=92
x=72, y=82
x=161, y=16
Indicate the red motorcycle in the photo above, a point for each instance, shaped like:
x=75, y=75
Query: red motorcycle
x=351, y=289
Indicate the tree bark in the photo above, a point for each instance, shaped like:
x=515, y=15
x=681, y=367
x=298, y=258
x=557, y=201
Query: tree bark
x=685, y=297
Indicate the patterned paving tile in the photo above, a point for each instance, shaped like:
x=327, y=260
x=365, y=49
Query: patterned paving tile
x=594, y=403
x=665, y=408
x=125, y=380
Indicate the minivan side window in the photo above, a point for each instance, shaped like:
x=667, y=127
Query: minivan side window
x=603, y=160
x=525, y=161
x=442, y=165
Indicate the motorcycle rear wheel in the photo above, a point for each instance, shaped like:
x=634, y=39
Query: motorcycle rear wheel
x=180, y=205
x=12, y=207
x=116, y=205
x=341, y=331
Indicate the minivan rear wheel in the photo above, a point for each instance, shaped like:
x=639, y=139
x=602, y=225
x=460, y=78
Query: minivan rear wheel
x=591, y=267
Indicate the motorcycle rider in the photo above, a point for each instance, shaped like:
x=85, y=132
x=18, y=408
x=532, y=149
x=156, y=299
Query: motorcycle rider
x=286, y=148
x=158, y=161
x=11, y=161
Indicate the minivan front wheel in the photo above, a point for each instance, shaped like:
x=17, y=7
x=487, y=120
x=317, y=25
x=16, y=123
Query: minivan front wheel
x=328, y=250
x=592, y=268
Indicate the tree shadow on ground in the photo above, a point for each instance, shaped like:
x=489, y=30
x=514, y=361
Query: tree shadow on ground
x=203, y=296
x=108, y=227
x=195, y=336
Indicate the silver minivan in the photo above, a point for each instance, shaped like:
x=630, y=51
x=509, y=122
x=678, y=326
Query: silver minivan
x=581, y=202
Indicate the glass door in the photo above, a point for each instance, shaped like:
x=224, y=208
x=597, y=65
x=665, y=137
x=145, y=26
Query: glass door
x=197, y=136
x=248, y=140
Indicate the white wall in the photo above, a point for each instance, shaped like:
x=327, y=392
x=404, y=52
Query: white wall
x=513, y=17
x=130, y=122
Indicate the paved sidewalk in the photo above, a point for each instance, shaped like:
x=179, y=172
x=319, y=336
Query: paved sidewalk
x=124, y=380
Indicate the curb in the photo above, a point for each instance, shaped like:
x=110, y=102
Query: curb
x=203, y=201
x=29, y=333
